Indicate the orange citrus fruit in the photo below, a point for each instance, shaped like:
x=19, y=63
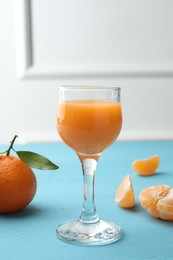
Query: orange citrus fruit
x=158, y=201
x=146, y=167
x=125, y=194
x=17, y=184
x=165, y=206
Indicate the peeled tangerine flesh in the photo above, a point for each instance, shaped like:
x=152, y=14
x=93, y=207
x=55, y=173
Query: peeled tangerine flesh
x=158, y=201
x=165, y=206
x=125, y=194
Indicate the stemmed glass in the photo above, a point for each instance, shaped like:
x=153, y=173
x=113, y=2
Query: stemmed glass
x=89, y=120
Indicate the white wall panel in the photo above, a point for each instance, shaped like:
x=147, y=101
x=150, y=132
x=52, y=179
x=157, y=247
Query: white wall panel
x=95, y=38
x=48, y=43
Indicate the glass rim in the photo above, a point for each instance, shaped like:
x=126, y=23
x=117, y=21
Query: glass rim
x=89, y=87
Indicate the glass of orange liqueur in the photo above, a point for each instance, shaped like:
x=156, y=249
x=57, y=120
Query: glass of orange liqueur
x=89, y=119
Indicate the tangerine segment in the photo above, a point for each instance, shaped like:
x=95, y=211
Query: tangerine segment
x=158, y=201
x=147, y=166
x=150, y=196
x=165, y=206
x=125, y=194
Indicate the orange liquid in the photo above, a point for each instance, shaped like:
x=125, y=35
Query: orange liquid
x=89, y=126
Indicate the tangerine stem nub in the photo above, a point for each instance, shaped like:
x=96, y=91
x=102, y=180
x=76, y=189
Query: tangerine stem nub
x=11, y=145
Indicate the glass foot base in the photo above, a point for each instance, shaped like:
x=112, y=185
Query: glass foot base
x=79, y=233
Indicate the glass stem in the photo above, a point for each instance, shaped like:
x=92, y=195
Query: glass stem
x=89, y=215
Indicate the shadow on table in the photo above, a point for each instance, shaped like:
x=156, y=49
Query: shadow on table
x=29, y=211
x=158, y=173
x=136, y=208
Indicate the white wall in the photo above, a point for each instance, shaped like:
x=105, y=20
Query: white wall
x=107, y=42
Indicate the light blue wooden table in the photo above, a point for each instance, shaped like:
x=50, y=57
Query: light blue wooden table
x=30, y=234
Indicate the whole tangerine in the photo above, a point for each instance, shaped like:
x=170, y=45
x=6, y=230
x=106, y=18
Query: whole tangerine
x=17, y=184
